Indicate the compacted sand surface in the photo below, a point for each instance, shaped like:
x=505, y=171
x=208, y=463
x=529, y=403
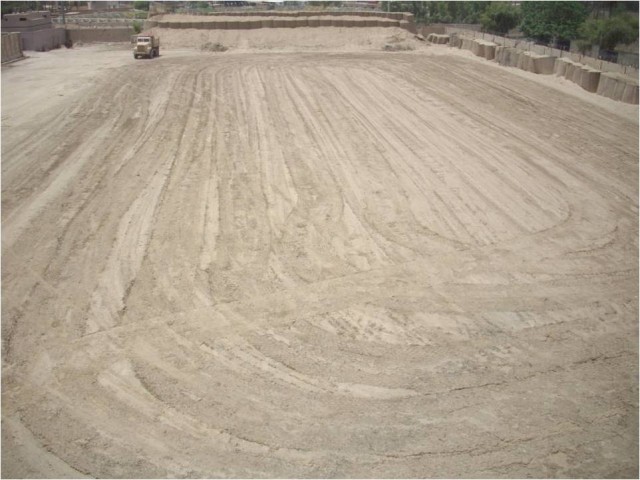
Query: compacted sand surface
x=355, y=264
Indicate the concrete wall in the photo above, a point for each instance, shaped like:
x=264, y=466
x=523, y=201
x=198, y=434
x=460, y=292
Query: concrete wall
x=11, y=48
x=98, y=35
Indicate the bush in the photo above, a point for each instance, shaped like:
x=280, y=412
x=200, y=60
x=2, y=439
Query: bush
x=499, y=18
x=137, y=27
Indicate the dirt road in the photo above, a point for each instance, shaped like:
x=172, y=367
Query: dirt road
x=315, y=265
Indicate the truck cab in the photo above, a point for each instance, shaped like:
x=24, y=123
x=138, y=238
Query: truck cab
x=146, y=46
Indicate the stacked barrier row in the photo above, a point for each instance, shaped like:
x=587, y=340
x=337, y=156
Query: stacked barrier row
x=614, y=85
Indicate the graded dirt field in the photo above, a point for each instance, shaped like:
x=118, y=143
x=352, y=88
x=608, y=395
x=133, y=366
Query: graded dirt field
x=317, y=264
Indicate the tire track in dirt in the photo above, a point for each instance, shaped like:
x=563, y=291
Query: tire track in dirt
x=323, y=265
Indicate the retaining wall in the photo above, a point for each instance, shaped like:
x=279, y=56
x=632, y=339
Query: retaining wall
x=614, y=85
x=11, y=48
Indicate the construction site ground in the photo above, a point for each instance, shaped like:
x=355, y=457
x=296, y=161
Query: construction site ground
x=338, y=262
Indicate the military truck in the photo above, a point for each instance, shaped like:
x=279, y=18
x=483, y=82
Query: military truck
x=145, y=46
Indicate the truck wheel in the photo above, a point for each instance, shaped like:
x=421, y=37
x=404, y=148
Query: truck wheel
x=135, y=56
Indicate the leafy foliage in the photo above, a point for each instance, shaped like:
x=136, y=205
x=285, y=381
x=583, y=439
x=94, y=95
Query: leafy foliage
x=137, y=26
x=199, y=5
x=440, y=12
x=500, y=18
x=609, y=32
x=141, y=5
x=418, y=9
x=16, y=7
x=552, y=21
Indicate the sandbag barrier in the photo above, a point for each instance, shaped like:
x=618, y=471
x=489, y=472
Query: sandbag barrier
x=608, y=84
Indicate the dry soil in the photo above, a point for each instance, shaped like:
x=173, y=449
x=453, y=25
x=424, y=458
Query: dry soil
x=317, y=264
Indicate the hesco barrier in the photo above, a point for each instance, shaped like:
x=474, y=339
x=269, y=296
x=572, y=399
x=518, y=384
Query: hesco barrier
x=438, y=39
x=298, y=14
x=235, y=21
x=546, y=61
x=240, y=24
x=97, y=35
x=11, y=49
x=43, y=40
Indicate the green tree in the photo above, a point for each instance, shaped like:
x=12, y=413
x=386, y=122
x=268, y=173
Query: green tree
x=141, y=5
x=137, y=27
x=17, y=7
x=552, y=21
x=473, y=11
x=199, y=5
x=418, y=9
x=500, y=17
x=440, y=12
x=609, y=32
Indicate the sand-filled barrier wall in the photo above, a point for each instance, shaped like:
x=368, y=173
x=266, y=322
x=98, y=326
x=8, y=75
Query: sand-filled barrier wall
x=299, y=14
x=255, y=20
x=539, y=60
x=280, y=22
x=98, y=35
x=438, y=39
x=11, y=49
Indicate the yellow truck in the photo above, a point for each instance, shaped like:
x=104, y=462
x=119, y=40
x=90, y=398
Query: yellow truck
x=145, y=46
